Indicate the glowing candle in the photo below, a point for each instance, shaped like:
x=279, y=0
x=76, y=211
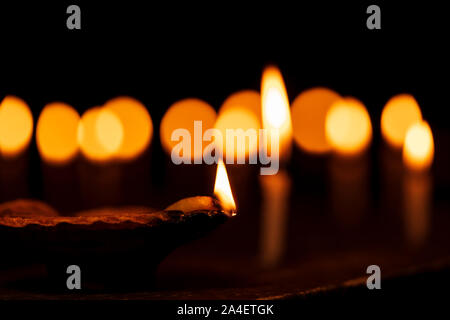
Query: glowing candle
x=309, y=112
x=276, y=113
x=275, y=188
x=418, y=150
x=16, y=129
x=192, y=117
x=348, y=127
x=137, y=126
x=56, y=139
x=402, y=191
x=16, y=126
x=100, y=135
x=418, y=154
x=133, y=156
x=399, y=113
x=56, y=133
x=349, y=132
x=242, y=120
x=182, y=115
x=249, y=100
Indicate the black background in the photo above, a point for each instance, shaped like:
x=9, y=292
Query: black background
x=162, y=53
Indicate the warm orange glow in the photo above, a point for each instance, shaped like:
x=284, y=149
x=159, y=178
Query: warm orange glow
x=137, y=126
x=181, y=115
x=56, y=133
x=347, y=127
x=417, y=191
x=418, y=150
x=16, y=126
x=399, y=113
x=309, y=111
x=99, y=134
x=238, y=118
x=246, y=99
x=275, y=107
x=222, y=188
x=109, y=130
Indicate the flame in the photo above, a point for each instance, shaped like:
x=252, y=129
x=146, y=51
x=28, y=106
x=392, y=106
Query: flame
x=348, y=127
x=275, y=107
x=56, y=133
x=16, y=126
x=399, y=113
x=418, y=150
x=222, y=188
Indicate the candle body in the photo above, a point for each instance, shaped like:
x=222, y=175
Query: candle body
x=349, y=188
x=275, y=192
x=417, y=190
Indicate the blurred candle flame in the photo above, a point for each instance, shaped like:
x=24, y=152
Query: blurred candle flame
x=16, y=126
x=109, y=130
x=182, y=115
x=222, y=188
x=275, y=108
x=137, y=126
x=99, y=134
x=309, y=111
x=245, y=99
x=347, y=126
x=399, y=113
x=56, y=133
x=243, y=121
x=418, y=150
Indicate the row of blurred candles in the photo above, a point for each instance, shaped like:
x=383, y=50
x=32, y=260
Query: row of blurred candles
x=319, y=121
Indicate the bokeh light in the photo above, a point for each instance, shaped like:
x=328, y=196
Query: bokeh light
x=16, y=126
x=137, y=126
x=56, y=133
x=309, y=111
x=399, y=113
x=235, y=119
x=181, y=115
x=418, y=150
x=109, y=130
x=244, y=99
x=99, y=134
x=347, y=126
